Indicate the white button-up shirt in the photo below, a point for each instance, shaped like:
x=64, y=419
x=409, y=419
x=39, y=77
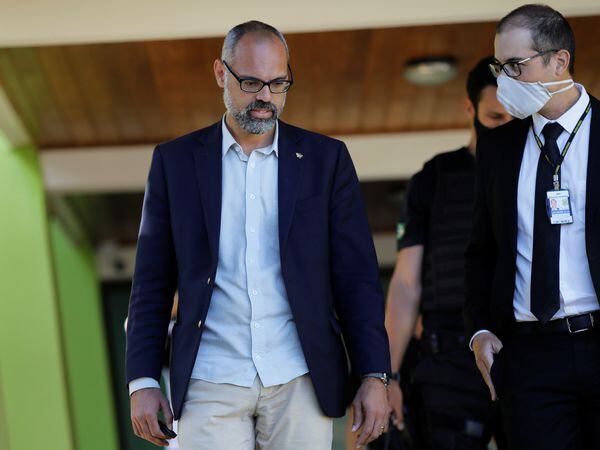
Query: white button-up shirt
x=577, y=294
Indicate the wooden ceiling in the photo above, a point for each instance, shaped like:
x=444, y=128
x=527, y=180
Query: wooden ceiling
x=347, y=82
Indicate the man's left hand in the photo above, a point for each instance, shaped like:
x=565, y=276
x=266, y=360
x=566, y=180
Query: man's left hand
x=371, y=411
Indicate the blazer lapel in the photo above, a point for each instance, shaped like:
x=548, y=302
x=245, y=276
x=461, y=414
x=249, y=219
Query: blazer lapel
x=208, y=161
x=515, y=148
x=592, y=201
x=291, y=163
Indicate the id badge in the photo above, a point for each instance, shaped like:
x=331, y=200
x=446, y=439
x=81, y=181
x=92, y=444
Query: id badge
x=558, y=206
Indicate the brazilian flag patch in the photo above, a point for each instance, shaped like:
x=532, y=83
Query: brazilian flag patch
x=400, y=230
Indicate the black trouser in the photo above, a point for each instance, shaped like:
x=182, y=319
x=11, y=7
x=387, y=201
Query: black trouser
x=549, y=389
x=456, y=412
x=456, y=408
x=449, y=405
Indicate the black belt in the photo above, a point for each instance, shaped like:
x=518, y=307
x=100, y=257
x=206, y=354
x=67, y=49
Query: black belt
x=572, y=325
x=435, y=342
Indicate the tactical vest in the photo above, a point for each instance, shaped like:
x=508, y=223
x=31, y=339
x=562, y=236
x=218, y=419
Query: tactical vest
x=451, y=218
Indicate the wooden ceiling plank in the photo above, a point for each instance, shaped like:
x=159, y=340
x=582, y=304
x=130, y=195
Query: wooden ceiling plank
x=125, y=114
x=143, y=93
x=96, y=90
x=17, y=95
x=325, y=79
x=34, y=96
x=380, y=77
x=300, y=98
x=67, y=96
x=202, y=86
x=170, y=66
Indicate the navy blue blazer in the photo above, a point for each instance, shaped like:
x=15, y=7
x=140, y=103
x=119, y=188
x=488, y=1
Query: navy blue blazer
x=328, y=261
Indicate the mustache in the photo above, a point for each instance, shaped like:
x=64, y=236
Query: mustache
x=259, y=104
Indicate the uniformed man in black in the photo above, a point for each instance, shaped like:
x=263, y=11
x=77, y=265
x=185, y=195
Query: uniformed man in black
x=456, y=409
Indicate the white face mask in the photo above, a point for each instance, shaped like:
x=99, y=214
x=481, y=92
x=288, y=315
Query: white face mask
x=521, y=99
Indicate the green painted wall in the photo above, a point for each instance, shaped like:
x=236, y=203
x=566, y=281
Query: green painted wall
x=116, y=303
x=33, y=389
x=3, y=426
x=89, y=386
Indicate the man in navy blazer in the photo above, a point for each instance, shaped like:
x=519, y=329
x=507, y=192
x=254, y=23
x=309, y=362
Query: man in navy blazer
x=261, y=228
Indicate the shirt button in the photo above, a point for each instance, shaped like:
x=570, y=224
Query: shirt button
x=258, y=357
x=254, y=292
x=200, y=324
x=253, y=165
x=256, y=325
x=252, y=196
x=252, y=229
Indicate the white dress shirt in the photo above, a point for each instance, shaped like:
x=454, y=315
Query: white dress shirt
x=249, y=329
x=577, y=294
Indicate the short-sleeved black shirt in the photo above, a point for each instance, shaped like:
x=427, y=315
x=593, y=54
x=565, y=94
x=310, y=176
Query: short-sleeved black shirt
x=418, y=206
x=418, y=203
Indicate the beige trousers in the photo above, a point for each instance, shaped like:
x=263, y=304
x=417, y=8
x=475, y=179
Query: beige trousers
x=228, y=417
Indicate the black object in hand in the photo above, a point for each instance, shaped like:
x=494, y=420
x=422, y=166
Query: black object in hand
x=165, y=430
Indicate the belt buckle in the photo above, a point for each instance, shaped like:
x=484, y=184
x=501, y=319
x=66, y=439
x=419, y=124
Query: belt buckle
x=583, y=329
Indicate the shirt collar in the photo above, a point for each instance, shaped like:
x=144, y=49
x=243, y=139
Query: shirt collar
x=569, y=119
x=229, y=141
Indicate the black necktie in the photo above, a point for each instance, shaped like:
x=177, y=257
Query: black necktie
x=545, y=295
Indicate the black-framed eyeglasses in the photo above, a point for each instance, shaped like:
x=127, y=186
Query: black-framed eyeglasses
x=254, y=85
x=512, y=68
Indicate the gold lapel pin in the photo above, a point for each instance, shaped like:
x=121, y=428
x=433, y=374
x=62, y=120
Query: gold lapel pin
x=299, y=155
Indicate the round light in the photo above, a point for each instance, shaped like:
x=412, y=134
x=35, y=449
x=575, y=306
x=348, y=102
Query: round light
x=430, y=71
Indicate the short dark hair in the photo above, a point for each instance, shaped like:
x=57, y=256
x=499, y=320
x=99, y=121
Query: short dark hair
x=549, y=29
x=239, y=31
x=479, y=78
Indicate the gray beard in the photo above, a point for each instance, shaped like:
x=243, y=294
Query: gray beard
x=245, y=120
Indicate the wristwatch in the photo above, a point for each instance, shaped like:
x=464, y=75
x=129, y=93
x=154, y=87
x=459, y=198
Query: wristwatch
x=382, y=376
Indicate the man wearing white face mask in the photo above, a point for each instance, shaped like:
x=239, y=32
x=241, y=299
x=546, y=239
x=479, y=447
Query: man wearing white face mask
x=533, y=271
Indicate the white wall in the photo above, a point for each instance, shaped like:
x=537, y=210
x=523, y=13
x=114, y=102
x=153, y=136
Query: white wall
x=36, y=22
x=124, y=169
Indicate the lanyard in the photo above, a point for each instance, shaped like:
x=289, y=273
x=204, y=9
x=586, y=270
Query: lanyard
x=556, y=178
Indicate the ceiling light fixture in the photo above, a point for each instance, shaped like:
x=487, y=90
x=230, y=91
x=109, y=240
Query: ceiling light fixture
x=430, y=71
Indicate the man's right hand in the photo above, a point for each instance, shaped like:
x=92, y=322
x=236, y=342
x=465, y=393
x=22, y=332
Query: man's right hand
x=485, y=346
x=396, y=401
x=145, y=405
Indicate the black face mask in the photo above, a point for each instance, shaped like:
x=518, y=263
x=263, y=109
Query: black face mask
x=480, y=128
